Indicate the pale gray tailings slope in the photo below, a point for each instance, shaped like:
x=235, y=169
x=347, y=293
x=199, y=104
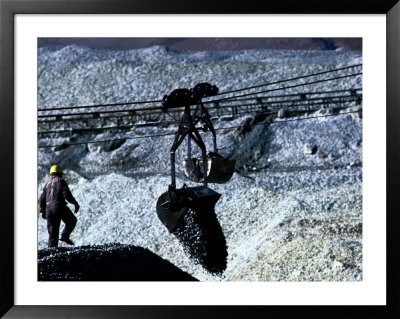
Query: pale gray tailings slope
x=298, y=218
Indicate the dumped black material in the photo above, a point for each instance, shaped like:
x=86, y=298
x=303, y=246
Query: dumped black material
x=203, y=240
x=106, y=263
x=196, y=226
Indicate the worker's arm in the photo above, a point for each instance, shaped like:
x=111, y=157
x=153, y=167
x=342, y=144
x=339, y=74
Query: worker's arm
x=68, y=195
x=42, y=203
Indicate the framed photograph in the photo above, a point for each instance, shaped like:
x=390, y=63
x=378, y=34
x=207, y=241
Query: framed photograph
x=121, y=107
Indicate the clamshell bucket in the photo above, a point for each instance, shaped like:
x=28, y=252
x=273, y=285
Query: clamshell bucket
x=196, y=198
x=219, y=170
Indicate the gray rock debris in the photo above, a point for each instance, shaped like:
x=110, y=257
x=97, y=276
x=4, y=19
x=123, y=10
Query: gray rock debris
x=309, y=149
x=298, y=218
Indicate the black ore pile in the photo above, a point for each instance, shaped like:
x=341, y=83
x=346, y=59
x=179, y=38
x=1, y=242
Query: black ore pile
x=203, y=240
x=106, y=263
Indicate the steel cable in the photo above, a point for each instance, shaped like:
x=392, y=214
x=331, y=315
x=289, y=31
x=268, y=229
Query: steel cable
x=222, y=93
x=171, y=134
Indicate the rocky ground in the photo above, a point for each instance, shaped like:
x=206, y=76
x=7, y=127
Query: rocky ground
x=294, y=213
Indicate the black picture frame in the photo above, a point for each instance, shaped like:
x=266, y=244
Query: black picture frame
x=8, y=10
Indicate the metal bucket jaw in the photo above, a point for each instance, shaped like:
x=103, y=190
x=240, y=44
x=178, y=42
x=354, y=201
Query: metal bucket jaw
x=219, y=170
x=195, y=198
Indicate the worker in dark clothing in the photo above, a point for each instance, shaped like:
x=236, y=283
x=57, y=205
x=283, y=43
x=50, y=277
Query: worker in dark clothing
x=54, y=209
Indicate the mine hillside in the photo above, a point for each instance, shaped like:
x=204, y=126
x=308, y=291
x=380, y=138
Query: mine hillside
x=291, y=120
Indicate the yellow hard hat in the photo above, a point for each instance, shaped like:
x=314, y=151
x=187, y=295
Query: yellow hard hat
x=56, y=169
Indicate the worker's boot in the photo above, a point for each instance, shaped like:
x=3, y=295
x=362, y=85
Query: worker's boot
x=67, y=241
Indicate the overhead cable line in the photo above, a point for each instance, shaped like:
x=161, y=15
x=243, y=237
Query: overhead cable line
x=220, y=106
x=296, y=94
x=96, y=105
x=222, y=93
x=291, y=79
x=217, y=129
x=213, y=101
x=284, y=88
x=214, y=117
